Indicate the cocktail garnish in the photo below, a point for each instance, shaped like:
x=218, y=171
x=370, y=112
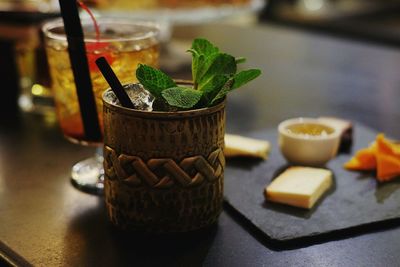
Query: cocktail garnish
x=95, y=24
x=214, y=75
x=95, y=50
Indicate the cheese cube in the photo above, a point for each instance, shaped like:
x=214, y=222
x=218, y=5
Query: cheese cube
x=236, y=145
x=299, y=186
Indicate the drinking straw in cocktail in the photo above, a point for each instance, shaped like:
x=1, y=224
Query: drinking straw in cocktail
x=80, y=69
x=114, y=83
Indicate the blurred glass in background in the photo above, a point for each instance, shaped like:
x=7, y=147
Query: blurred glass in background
x=157, y=4
x=35, y=83
x=20, y=22
x=177, y=11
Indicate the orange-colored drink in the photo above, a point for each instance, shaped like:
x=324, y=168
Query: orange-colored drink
x=124, y=43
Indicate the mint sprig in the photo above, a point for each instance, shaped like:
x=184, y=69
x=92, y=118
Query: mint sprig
x=214, y=75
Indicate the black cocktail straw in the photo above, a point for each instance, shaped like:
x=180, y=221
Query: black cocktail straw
x=80, y=69
x=114, y=83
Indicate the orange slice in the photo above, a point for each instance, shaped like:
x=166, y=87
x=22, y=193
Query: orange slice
x=383, y=155
x=364, y=160
x=353, y=164
x=388, y=167
x=386, y=146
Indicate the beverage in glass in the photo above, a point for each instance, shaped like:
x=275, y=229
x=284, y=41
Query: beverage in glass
x=124, y=43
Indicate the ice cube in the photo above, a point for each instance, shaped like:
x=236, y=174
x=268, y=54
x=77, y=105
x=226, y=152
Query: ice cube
x=140, y=97
x=110, y=97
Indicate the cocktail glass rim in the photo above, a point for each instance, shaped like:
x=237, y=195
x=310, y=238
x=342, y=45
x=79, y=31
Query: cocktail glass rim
x=57, y=23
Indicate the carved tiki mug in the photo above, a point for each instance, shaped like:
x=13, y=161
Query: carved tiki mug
x=163, y=170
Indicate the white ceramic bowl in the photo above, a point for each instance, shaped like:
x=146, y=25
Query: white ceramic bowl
x=308, y=142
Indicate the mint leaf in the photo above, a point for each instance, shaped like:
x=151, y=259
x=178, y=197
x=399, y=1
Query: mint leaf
x=204, y=47
x=203, y=54
x=215, y=82
x=197, y=64
x=222, y=64
x=182, y=97
x=244, y=77
x=222, y=93
x=154, y=80
x=203, y=66
x=237, y=81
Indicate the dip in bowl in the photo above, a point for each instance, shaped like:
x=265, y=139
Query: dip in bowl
x=308, y=142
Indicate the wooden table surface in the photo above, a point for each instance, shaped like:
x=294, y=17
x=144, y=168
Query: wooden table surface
x=44, y=221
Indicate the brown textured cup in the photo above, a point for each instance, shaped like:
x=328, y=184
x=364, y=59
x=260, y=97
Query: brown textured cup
x=164, y=171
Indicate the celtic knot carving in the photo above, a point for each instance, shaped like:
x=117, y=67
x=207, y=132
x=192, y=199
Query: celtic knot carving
x=163, y=172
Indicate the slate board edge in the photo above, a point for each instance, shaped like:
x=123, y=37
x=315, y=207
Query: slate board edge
x=288, y=243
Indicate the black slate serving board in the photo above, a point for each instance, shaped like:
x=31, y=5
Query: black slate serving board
x=355, y=199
